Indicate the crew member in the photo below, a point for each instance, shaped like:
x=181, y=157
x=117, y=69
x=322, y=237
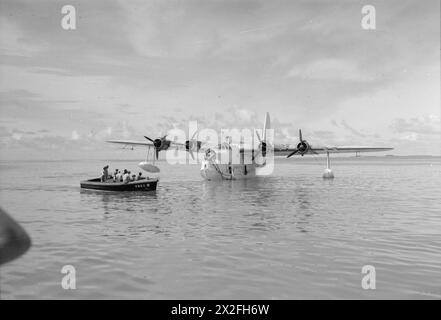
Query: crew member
x=105, y=174
x=126, y=177
x=118, y=176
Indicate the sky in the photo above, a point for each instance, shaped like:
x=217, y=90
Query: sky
x=134, y=68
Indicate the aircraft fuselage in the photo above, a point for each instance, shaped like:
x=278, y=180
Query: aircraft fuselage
x=213, y=168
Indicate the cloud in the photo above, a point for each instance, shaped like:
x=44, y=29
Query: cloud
x=352, y=130
x=45, y=145
x=154, y=65
x=413, y=136
x=334, y=123
x=245, y=115
x=75, y=136
x=324, y=134
x=425, y=125
x=331, y=70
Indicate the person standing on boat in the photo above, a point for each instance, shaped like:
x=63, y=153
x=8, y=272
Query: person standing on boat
x=105, y=174
x=139, y=177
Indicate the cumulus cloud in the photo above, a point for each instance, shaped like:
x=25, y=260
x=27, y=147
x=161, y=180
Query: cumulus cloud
x=245, y=115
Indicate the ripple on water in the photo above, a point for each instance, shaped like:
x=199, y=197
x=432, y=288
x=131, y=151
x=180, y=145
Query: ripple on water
x=291, y=235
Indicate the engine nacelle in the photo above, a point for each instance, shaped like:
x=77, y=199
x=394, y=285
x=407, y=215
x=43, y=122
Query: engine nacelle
x=303, y=147
x=193, y=145
x=157, y=143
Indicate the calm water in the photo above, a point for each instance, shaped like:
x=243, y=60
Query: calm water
x=289, y=236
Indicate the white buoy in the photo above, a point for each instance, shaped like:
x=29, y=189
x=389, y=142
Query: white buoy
x=328, y=174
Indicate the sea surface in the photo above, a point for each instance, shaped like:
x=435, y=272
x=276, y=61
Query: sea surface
x=291, y=235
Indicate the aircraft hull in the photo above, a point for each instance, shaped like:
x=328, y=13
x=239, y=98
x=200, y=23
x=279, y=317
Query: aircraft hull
x=213, y=171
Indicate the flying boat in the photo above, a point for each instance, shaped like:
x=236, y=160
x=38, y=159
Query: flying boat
x=253, y=159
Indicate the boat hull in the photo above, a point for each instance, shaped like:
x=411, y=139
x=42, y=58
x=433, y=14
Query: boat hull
x=140, y=185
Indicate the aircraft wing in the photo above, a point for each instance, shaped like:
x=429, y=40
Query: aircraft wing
x=281, y=150
x=131, y=142
x=142, y=143
x=348, y=149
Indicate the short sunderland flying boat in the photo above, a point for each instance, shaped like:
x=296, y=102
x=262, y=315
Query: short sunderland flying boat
x=232, y=161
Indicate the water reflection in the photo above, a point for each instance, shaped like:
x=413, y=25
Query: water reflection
x=117, y=201
x=262, y=204
x=302, y=205
x=238, y=238
x=128, y=214
x=249, y=204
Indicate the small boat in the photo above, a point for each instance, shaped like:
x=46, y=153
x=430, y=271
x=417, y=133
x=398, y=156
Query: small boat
x=139, y=185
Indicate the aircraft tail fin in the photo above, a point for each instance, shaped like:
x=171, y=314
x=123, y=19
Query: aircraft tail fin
x=266, y=125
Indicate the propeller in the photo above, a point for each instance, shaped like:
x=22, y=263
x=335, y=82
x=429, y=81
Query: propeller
x=292, y=153
x=189, y=144
x=157, y=143
x=262, y=146
x=302, y=147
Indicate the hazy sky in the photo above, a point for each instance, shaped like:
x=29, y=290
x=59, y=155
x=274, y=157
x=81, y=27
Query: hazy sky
x=134, y=68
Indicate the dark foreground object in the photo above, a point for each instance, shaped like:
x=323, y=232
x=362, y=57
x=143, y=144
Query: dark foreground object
x=14, y=241
x=140, y=185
